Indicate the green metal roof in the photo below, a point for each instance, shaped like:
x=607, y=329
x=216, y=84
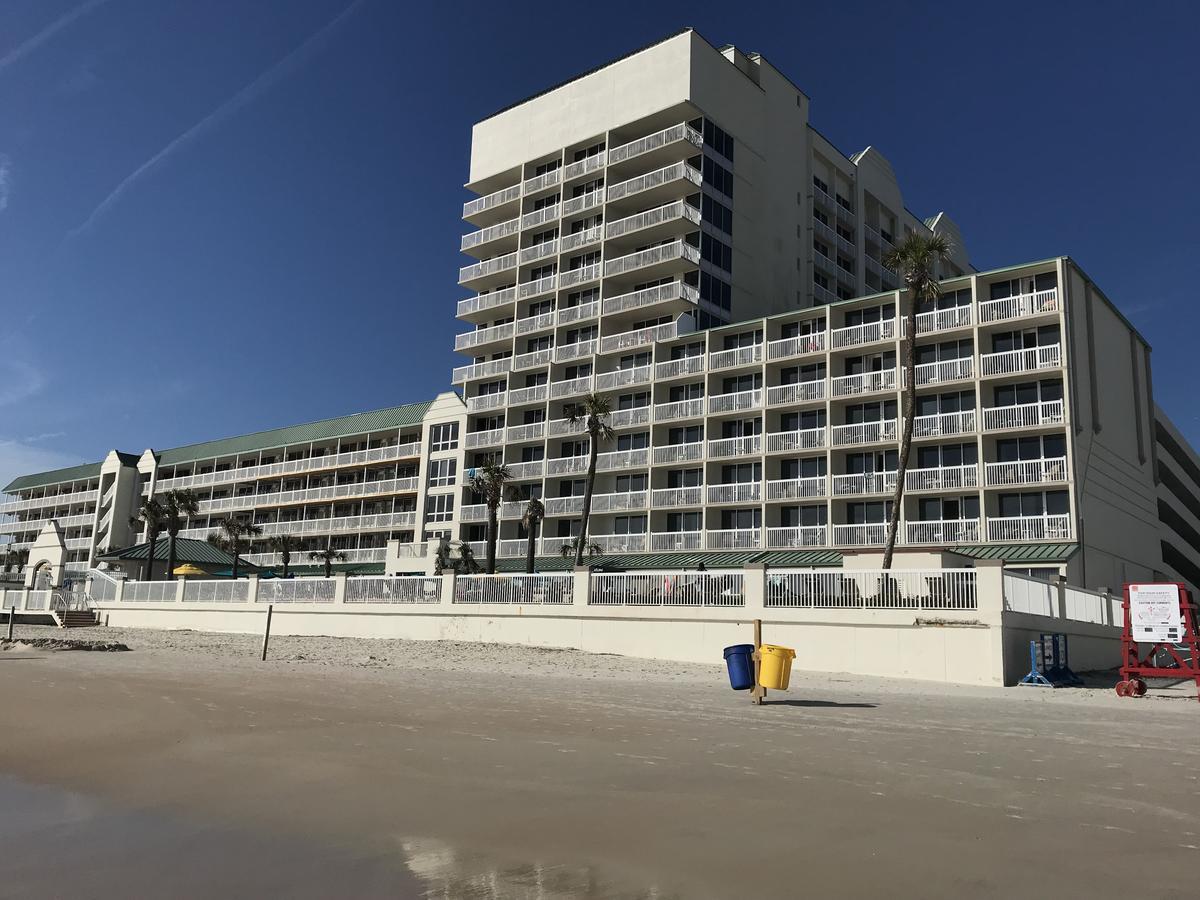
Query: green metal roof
x=187, y=550
x=734, y=559
x=55, y=476
x=348, y=568
x=342, y=426
x=1018, y=552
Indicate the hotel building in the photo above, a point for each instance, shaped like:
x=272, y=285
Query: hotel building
x=669, y=231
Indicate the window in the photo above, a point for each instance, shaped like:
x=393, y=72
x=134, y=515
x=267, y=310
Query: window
x=1050, y=446
x=717, y=176
x=594, y=150
x=945, y=351
x=1028, y=392
x=741, y=473
x=688, y=434
x=683, y=521
x=1047, y=503
x=443, y=437
x=681, y=392
x=808, y=467
x=439, y=508
x=870, y=315
x=571, y=487
x=721, y=141
x=629, y=483
x=739, y=519
x=948, y=509
x=874, y=512
x=802, y=516
x=716, y=252
x=442, y=472
x=629, y=525
x=637, y=441
x=680, y=478
x=802, y=420
x=715, y=291
x=741, y=428
x=946, y=456
x=716, y=214
x=640, y=400
x=1025, y=339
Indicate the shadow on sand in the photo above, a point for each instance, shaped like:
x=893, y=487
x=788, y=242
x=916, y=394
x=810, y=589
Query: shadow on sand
x=819, y=703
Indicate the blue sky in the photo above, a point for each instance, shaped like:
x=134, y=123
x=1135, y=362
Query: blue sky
x=219, y=216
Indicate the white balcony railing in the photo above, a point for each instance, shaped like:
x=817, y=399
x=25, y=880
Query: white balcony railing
x=801, y=392
x=668, y=541
x=1020, y=306
x=870, y=535
x=674, y=134
x=585, y=166
x=620, y=543
x=581, y=275
x=734, y=539
x=486, y=267
x=942, y=478
x=572, y=387
x=864, y=433
x=579, y=313
x=790, y=441
x=1023, y=415
x=640, y=337
x=577, y=239
x=531, y=324
x=563, y=506
x=535, y=393
x=679, y=210
x=1030, y=528
x=794, y=536
x=864, y=483
x=738, y=356
x=620, y=501
x=622, y=459
x=940, y=320
x=1014, y=362
x=680, y=171
x=1025, y=471
x=676, y=497
x=566, y=465
x=543, y=181
x=517, y=434
x=949, y=531
x=489, y=234
x=750, y=445
x=742, y=492
x=627, y=418
x=662, y=253
x=679, y=409
x=943, y=371
x=797, y=488
x=534, y=359
x=491, y=201
x=785, y=348
x=607, y=381
x=538, y=251
x=484, y=302
x=583, y=202
x=866, y=383
x=650, y=296
x=942, y=424
x=524, y=470
x=492, y=438
x=481, y=336
x=677, y=368
x=559, y=427
x=854, y=335
x=309, y=495
x=547, y=284
x=484, y=402
x=673, y=453
x=740, y=400
x=565, y=352
x=482, y=370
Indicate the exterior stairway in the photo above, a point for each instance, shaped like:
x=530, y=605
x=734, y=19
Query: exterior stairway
x=76, y=618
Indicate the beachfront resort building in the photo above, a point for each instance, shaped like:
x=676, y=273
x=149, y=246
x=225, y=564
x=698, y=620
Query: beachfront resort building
x=669, y=231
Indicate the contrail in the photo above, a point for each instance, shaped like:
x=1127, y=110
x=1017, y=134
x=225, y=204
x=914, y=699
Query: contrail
x=48, y=32
x=244, y=96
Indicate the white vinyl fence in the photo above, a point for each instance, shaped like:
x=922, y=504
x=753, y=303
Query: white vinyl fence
x=10, y=599
x=227, y=591
x=297, y=590
x=667, y=589
x=102, y=588
x=149, y=592
x=948, y=589
x=1040, y=598
x=401, y=589
x=546, y=589
x=37, y=600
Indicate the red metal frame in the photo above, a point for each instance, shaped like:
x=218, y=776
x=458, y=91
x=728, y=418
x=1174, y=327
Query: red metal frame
x=1135, y=668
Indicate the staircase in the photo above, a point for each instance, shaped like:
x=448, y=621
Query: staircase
x=76, y=618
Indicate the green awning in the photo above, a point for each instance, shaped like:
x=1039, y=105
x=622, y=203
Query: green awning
x=1031, y=553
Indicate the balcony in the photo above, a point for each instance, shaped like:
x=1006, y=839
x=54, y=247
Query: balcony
x=681, y=409
x=580, y=313
x=858, y=335
x=866, y=383
x=667, y=498
x=533, y=324
x=334, y=525
x=487, y=269
x=681, y=135
x=535, y=359
x=620, y=501
x=791, y=537
x=563, y=506
x=942, y=372
x=542, y=182
x=623, y=459
x=797, y=488
x=578, y=239
x=678, y=368
x=734, y=539
x=791, y=441
x=607, y=381
x=523, y=471
x=1025, y=471
x=485, y=402
x=944, y=424
x=619, y=543
x=543, y=216
x=1021, y=306
x=478, y=512
x=1023, y=415
x=676, y=453
x=792, y=394
x=742, y=492
x=489, y=235
x=491, y=438
x=547, y=284
x=750, y=445
x=734, y=402
x=536, y=393
x=940, y=320
x=566, y=465
x=572, y=387
x=585, y=166
x=648, y=297
x=481, y=370
x=559, y=427
x=628, y=340
x=944, y=478
x=864, y=433
x=869, y=535
x=485, y=302
x=864, y=483
x=668, y=183
x=670, y=541
x=481, y=337
x=491, y=203
x=1030, y=528
x=582, y=275
x=735, y=357
x=628, y=418
x=654, y=222
x=578, y=350
x=519, y=434
x=1014, y=362
x=652, y=263
x=583, y=202
x=949, y=531
x=788, y=348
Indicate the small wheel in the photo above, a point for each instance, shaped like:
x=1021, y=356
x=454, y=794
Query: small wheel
x=1137, y=687
x=1122, y=688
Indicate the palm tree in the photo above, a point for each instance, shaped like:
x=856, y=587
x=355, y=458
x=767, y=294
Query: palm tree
x=491, y=481
x=285, y=545
x=16, y=558
x=327, y=558
x=579, y=545
x=152, y=517
x=593, y=411
x=176, y=506
x=463, y=564
x=232, y=538
x=917, y=258
x=530, y=520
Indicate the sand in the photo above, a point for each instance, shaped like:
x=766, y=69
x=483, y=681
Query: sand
x=473, y=770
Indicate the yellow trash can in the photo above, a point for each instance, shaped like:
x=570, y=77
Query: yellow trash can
x=775, y=667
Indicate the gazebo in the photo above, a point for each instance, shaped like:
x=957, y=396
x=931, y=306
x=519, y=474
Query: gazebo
x=211, y=561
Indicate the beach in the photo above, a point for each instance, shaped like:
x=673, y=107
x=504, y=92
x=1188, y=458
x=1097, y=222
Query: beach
x=458, y=770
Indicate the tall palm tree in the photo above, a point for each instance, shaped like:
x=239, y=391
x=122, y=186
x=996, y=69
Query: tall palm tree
x=594, y=412
x=285, y=545
x=234, y=537
x=152, y=518
x=176, y=506
x=917, y=259
x=327, y=558
x=491, y=481
x=530, y=520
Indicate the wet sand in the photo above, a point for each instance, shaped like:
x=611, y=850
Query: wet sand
x=623, y=779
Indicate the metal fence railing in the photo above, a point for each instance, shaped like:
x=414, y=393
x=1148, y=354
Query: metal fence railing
x=543, y=589
x=401, y=589
x=216, y=591
x=149, y=592
x=940, y=589
x=667, y=589
x=297, y=590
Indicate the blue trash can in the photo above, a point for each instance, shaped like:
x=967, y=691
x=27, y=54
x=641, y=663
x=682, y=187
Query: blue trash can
x=740, y=663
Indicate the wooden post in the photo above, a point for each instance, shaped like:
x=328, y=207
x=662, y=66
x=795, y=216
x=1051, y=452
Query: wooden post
x=12, y=617
x=758, y=692
x=267, y=632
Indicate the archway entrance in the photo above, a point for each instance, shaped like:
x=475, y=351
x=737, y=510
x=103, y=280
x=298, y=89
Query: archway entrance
x=43, y=576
